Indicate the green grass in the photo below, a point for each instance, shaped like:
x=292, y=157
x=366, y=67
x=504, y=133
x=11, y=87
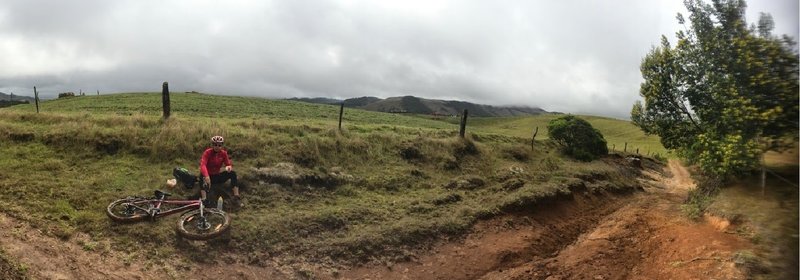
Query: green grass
x=616, y=132
x=406, y=188
x=770, y=221
x=216, y=106
x=10, y=269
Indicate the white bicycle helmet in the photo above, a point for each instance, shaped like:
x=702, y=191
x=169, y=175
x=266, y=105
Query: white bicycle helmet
x=217, y=140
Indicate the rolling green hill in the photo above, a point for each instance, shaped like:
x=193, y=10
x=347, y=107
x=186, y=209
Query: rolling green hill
x=616, y=132
x=417, y=105
x=386, y=186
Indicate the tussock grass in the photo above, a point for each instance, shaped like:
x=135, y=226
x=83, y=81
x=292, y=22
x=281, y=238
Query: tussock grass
x=413, y=180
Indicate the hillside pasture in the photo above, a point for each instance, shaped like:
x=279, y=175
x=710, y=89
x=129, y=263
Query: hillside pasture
x=399, y=182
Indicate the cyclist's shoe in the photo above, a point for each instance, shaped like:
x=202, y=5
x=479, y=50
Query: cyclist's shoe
x=237, y=201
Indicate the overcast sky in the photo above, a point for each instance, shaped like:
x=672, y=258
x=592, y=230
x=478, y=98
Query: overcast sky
x=569, y=56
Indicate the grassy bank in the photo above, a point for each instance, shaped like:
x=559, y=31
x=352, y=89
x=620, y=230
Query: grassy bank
x=768, y=219
x=403, y=181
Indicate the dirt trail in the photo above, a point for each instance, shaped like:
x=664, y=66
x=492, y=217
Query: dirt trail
x=46, y=257
x=639, y=237
x=49, y=258
x=593, y=236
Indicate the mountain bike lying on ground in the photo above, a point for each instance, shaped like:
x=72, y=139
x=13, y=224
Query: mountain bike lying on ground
x=199, y=223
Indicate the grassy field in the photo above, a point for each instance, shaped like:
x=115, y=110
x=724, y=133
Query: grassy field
x=616, y=132
x=409, y=180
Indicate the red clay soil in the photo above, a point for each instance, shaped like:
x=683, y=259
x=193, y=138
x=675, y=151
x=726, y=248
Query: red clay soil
x=643, y=236
x=592, y=236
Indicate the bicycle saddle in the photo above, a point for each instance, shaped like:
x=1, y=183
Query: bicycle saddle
x=160, y=194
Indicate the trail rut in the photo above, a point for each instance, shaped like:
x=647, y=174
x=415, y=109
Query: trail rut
x=643, y=236
x=592, y=236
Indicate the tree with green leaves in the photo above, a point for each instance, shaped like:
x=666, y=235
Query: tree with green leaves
x=577, y=137
x=725, y=93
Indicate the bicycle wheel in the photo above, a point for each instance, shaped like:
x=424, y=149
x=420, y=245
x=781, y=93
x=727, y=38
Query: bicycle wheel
x=192, y=226
x=127, y=210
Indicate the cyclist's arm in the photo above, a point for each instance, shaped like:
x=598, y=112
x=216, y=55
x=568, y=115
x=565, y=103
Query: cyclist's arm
x=226, y=159
x=203, y=162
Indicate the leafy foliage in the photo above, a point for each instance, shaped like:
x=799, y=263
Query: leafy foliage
x=579, y=139
x=725, y=93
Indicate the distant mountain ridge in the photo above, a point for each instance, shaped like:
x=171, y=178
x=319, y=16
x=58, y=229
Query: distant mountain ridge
x=7, y=97
x=416, y=105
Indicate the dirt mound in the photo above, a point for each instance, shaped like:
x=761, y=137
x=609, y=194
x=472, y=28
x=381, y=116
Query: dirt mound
x=288, y=174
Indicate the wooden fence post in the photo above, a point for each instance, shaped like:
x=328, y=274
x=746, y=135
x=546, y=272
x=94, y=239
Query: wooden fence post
x=98, y=92
x=763, y=170
x=536, y=131
x=637, y=151
x=165, y=99
x=36, y=99
x=341, y=112
x=613, y=147
x=463, y=124
x=625, y=150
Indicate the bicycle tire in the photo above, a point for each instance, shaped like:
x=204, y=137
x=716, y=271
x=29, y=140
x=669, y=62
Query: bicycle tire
x=117, y=214
x=220, y=223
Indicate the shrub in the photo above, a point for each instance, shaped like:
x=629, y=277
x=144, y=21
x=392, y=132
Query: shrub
x=577, y=138
x=66, y=94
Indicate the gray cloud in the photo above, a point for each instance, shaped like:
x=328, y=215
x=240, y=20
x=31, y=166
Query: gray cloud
x=569, y=56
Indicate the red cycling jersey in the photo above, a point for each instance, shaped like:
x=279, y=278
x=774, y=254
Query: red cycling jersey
x=211, y=162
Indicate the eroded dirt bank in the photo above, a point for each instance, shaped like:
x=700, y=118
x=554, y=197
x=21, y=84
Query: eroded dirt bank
x=591, y=236
x=643, y=236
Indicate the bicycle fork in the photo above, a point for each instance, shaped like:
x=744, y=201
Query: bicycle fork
x=202, y=222
x=154, y=210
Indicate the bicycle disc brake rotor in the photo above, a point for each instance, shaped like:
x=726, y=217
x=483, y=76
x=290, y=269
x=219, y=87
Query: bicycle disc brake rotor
x=203, y=224
x=129, y=210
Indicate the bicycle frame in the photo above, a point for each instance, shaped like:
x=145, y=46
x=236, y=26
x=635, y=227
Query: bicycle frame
x=196, y=223
x=155, y=206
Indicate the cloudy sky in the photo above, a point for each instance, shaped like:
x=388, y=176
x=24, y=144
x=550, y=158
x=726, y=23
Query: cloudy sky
x=569, y=56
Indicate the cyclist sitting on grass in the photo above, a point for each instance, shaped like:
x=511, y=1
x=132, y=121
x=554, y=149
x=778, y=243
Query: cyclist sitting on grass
x=210, y=166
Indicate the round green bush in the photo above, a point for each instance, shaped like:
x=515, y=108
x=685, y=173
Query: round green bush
x=577, y=138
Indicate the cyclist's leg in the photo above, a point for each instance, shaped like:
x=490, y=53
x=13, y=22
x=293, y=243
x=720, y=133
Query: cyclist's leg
x=223, y=177
x=234, y=183
x=218, y=185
